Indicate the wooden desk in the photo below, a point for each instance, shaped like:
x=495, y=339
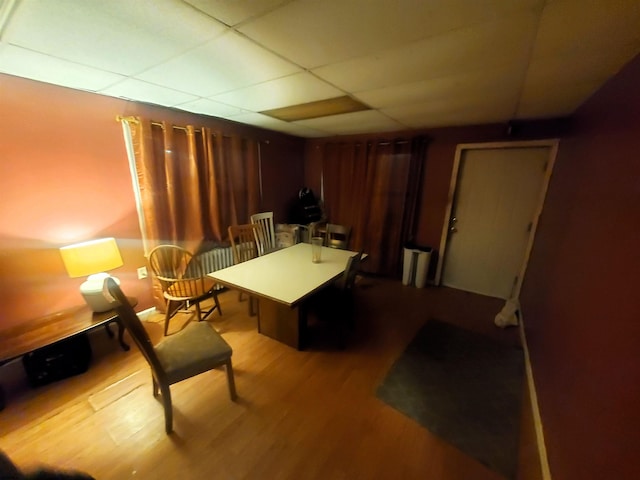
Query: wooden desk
x=41, y=332
x=281, y=281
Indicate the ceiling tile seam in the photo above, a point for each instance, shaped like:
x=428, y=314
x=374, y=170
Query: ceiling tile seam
x=7, y=9
x=529, y=57
x=73, y=62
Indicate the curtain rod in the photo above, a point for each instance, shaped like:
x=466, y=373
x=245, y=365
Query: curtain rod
x=120, y=118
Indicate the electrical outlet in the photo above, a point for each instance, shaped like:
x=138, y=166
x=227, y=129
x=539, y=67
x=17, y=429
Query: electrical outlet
x=142, y=272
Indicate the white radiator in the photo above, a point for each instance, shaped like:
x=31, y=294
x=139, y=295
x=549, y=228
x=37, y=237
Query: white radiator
x=216, y=259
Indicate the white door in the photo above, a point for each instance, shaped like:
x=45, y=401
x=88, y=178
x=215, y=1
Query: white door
x=498, y=196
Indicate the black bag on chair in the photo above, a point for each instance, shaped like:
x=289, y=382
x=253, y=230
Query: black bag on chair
x=63, y=359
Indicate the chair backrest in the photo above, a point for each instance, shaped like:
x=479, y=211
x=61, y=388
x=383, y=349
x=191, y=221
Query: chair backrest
x=337, y=236
x=347, y=281
x=243, y=242
x=265, y=234
x=132, y=323
x=181, y=275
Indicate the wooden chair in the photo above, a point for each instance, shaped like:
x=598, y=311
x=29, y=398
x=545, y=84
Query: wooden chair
x=337, y=236
x=195, y=349
x=265, y=234
x=244, y=247
x=183, y=280
x=334, y=305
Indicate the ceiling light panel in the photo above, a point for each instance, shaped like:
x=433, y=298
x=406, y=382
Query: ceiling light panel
x=224, y=64
x=321, y=108
x=36, y=66
x=485, y=46
x=353, y=123
x=121, y=36
x=270, y=123
x=290, y=90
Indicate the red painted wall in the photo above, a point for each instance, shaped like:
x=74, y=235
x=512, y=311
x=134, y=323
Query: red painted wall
x=580, y=296
x=64, y=178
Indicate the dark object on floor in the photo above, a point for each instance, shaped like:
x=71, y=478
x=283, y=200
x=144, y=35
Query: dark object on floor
x=8, y=471
x=464, y=388
x=63, y=359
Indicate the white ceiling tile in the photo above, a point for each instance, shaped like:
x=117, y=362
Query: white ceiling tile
x=271, y=123
x=481, y=82
x=485, y=46
x=209, y=107
x=121, y=36
x=463, y=110
x=313, y=33
x=424, y=63
x=147, y=92
x=237, y=11
x=36, y=66
x=555, y=102
x=282, y=92
x=574, y=26
x=560, y=72
x=352, y=123
x=226, y=63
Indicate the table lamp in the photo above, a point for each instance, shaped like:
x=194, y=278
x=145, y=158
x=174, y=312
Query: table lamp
x=92, y=258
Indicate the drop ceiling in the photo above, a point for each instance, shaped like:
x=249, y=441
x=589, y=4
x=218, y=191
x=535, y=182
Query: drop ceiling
x=414, y=63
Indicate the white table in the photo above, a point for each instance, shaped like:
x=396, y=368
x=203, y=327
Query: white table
x=281, y=281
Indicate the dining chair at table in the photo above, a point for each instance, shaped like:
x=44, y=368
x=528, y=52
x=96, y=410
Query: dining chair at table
x=337, y=236
x=265, y=233
x=335, y=306
x=244, y=247
x=184, y=282
x=195, y=349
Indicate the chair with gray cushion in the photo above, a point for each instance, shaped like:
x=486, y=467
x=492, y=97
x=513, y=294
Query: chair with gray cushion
x=195, y=349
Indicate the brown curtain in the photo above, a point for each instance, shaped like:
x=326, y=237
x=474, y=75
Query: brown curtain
x=374, y=187
x=193, y=183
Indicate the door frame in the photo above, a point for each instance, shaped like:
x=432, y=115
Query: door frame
x=552, y=144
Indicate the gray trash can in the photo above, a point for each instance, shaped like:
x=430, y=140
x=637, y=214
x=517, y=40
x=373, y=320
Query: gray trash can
x=416, y=265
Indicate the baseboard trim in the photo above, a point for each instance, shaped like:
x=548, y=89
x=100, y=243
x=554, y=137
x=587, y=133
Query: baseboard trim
x=144, y=314
x=535, y=408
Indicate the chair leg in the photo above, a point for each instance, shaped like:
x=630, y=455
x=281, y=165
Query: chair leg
x=168, y=409
x=215, y=299
x=198, y=311
x=166, y=318
x=156, y=389
x=231, y=381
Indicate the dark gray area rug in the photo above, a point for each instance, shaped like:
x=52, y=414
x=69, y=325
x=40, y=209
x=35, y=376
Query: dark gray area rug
x=463, y=387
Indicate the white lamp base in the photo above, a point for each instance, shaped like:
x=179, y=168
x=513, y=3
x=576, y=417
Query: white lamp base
x=91, y=290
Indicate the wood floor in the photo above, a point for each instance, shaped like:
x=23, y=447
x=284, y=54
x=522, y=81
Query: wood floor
x=299, y=415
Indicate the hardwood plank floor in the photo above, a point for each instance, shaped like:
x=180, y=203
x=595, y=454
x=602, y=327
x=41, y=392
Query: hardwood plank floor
x=302, y=415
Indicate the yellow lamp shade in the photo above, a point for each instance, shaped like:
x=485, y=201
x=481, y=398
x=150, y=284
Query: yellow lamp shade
x=95, y=256
x=92, y=258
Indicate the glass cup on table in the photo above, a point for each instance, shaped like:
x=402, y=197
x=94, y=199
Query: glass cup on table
x=316, y=249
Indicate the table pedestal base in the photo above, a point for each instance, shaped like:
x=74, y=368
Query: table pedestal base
x=283, y=323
